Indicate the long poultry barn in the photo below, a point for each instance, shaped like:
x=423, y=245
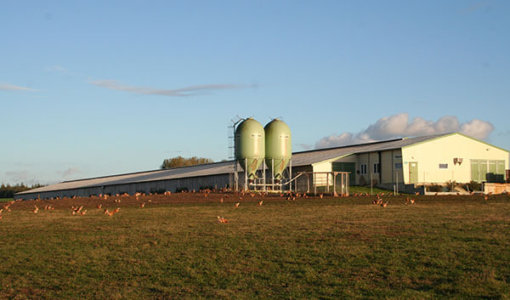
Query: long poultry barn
x=408, y=163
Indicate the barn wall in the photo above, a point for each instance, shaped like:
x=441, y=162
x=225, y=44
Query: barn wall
x=365, y=168
x=430, y=154
x=391, y=167
x=192, y=183
x=387, y=167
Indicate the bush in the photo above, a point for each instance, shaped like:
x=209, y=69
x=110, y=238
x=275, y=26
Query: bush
x=474, y=186
x=435, y=188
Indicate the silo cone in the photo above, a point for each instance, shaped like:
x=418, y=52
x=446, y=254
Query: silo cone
x=278, y=147
x=250, y=146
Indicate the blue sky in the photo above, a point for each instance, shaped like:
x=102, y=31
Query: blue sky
x=96, y=88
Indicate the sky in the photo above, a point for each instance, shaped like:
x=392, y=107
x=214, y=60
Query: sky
x=95, y=88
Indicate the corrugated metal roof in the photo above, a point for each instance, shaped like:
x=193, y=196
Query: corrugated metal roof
x=298, y=159
x=314, y=156
x=183, y=172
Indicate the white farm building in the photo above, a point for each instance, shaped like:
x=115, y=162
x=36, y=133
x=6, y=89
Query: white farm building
x=405, y=162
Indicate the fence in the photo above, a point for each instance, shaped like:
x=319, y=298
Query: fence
x=336, y=183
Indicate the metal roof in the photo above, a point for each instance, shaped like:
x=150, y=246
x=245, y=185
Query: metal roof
x=298, y=159
x=176, y=173
x=314, y=156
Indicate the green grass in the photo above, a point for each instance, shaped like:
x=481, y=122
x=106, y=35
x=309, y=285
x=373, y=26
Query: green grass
x=5, y=199
x=353, y=189
x=364, y=189
x=329, y=248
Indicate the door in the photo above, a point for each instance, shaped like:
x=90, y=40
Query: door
x=413, y=172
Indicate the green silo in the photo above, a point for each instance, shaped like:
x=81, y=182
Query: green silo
x=249, y=146
x=278, y=146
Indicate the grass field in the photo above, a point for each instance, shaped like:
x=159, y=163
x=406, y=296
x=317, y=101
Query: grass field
x=440, y=247
x=5, y=199
x=362, y=189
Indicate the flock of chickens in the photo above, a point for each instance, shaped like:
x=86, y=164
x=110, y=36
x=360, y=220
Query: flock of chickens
x=381, y=199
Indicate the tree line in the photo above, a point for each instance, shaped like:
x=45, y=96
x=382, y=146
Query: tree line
x=180, y=161
x=8, y=191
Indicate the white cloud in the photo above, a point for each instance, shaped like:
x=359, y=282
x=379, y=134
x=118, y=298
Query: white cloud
x=182, y=92
x=345, y=138
x=70, y=172
x=11, y=87
x=477, y=128
x=306, y=146
x=398, y=125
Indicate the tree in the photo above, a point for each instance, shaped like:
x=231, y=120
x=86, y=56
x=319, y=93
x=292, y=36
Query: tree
x=180, y=161
x=8, y=191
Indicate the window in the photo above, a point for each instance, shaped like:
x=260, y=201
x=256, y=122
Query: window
x=377, y=168
x=398, y=165
x=363, y=169
x=443, y=166
x=487, y=170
